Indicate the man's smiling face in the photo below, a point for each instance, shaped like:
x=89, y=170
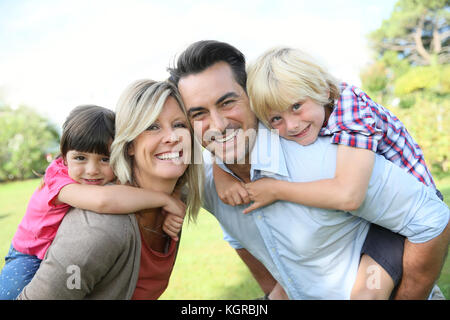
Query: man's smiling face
x=219, y=111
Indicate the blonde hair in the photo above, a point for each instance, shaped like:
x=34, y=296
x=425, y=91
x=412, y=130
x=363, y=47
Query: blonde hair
x=139, y=107
x=283, y=76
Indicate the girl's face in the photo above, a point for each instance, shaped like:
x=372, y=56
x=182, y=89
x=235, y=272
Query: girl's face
x=301, y=122
x=89, y=168
x=162, y=152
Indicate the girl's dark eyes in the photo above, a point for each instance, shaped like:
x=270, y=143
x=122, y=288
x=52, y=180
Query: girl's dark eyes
x=80, y=158
x=105, y=159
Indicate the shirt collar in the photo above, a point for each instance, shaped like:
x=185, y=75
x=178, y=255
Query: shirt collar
x=267, y=156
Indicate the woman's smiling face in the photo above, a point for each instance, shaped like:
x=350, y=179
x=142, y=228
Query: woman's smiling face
x=163, y=151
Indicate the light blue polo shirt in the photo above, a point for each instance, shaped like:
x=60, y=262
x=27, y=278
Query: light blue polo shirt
x=314, y=253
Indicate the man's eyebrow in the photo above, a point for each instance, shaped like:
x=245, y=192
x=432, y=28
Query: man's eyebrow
x=220, y=100
x=226, y=96
x=194, y=109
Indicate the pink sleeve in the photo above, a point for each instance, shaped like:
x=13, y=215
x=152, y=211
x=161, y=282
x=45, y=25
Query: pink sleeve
x=56, y=177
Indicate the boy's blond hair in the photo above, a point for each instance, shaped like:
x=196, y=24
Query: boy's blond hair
x=283, y=76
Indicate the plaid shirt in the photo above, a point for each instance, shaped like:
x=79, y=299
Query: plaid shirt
x=359, y=122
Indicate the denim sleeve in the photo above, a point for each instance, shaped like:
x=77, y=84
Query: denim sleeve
x=231, y=241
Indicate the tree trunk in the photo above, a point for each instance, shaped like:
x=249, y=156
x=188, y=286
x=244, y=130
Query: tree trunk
x=436, y=42
x=418, y=40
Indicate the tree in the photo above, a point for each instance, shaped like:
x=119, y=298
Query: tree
x=411, y=74
x=25, y=140
x=418, y=30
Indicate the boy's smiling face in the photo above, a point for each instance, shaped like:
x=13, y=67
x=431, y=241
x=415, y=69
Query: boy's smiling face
x=301, y=122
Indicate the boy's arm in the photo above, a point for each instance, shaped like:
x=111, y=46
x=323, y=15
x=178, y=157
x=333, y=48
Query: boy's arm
x=230, y=190
x=118, y=199
x=346, y=191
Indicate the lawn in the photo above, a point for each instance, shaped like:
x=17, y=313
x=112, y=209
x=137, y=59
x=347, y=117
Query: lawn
x=206, y=268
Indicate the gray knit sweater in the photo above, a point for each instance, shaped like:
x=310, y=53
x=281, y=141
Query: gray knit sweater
x=93, y=256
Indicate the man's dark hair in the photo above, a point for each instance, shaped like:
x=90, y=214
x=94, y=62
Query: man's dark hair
x=203, y=54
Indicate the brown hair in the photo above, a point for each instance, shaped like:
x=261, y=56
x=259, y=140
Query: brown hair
x=88, y=128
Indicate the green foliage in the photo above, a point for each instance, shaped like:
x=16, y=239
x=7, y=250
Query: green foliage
x=427, y=122
x=434, y=79
x=412, y=54
x=25, y=139
x=416, y=30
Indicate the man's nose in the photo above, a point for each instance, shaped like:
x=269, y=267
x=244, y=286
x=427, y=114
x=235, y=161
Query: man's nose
x=218, y=122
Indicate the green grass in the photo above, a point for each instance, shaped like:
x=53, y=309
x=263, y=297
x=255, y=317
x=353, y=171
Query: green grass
x=206, y=268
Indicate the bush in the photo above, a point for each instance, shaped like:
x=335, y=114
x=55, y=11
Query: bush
x=427, y=121
x=26, y=138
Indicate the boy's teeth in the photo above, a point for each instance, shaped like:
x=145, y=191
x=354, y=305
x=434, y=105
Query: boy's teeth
x=230, y=136
x=169, y=155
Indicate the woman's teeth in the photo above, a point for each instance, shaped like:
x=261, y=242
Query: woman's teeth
x=169, y=156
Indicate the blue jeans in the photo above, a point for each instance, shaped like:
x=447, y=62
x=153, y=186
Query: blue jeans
x=17, y=272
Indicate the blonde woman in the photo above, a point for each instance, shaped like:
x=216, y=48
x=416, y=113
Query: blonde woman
x=127, y=256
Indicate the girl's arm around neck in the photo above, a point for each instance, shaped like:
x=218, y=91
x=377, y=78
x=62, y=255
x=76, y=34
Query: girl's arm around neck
x=114, y=199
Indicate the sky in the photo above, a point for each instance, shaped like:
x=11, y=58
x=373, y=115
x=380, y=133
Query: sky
x=56, y=54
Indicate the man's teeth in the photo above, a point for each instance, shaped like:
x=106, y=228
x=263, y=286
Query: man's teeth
x=169, y=156
x=229, y=137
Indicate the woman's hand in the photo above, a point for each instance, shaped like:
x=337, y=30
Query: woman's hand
x=262, y=192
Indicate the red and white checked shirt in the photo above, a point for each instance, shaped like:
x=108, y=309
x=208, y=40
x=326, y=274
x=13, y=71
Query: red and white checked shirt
x=357, y=121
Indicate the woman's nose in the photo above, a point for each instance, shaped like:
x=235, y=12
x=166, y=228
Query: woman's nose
x=171, y=136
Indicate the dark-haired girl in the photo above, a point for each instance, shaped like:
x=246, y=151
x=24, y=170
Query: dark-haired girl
x=73, y=180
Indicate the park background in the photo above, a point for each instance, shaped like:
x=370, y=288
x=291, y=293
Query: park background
x=55, y=55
